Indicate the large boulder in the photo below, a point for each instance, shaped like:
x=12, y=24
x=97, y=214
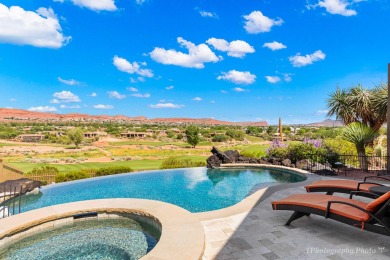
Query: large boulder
x=286, y=162
x=221, y=155
x=233, y=155
x=244, y=159
x=304, y=164
x=213, y=162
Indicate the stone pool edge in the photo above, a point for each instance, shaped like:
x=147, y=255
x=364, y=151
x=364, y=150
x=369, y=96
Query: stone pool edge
x=254, y=199
x=182, y=234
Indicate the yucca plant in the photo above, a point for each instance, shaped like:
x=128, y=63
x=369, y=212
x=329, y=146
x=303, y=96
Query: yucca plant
x=360, y=135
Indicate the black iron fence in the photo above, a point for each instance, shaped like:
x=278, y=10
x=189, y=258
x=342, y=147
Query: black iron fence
x=347, y=163
x=10, y=200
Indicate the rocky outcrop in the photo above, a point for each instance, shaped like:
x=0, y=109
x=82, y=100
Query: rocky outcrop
x=233, y=156
x=229, y=156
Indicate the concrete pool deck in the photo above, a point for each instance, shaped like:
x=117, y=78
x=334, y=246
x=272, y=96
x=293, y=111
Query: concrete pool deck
x=260, y=233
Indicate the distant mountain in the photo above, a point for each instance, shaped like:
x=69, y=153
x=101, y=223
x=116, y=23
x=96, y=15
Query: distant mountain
x=328, y=123
x=9, y=114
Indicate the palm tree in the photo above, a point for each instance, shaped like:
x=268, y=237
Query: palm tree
x=379, y=101
x=338, y=104
x=360, y=135
x=357, y=104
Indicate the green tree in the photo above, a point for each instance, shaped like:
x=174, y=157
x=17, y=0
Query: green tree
x=358, y=104
x=360, y=135
x=75, y=136
x=192, y=134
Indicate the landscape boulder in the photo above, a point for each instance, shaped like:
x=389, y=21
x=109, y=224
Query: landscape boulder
x=213, y=162
x=304, y=164
x=221, y=155
x=286, y=162
x=233, y=155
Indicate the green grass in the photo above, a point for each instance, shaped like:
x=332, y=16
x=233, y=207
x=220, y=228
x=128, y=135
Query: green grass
x=149, y=143
x=253, y=138
x=256, y=151
x=137, y=165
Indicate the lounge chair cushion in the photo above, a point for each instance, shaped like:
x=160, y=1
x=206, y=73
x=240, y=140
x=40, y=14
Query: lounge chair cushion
x=375, y=204
x=341, y=184
x=319, y=201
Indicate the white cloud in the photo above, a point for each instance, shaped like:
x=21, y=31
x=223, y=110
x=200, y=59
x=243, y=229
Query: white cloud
x=337, y=7
x=197, y=99
x=256, y=22
x=240, y=90
x=100, y=106
x=208, y=14
x=139, y=95
x=60, y=1
x=132, y=89
x=55, y=101
x=300, y=61
x=287, y=77
x=196, y=57
x=66, y=97
x=224, y=91
x=131, y=68
x=93, y=94
x=42, y=109
x=70, y=107
x=238, y=77
x=274, y=45
x=322, y=112
x=272, y=79
x=140, y=2
x=70, y=82
x=96, y=5
x=166, y=105
x=39, y=29
x=169, y=87
x=12, y=99
x=115, y=94
x=236, y=48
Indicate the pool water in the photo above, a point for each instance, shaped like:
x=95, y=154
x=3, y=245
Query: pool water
x=195, y=189
x=121, y=238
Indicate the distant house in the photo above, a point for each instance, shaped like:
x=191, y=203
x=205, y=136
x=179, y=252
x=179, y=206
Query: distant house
x=135, y=134
x=94, y=134
x=31, y=138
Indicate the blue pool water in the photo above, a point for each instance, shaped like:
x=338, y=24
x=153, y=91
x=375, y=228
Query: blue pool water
x=195, y=189
x=89, y=239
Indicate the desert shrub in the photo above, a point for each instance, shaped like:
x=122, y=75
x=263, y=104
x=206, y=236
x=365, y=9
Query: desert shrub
x=220, y=138
x=49, y=170
x=113, y=170
x=173, y=162
x=308, y=149
x=71, y=176
x=235, y=134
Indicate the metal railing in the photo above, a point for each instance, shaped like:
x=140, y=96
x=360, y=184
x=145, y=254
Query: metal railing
x=11, y=200
x=348, y=163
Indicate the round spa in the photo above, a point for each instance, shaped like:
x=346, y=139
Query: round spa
x=87, y=236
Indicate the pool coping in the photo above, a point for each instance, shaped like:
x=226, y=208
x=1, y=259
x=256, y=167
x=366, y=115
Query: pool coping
x=182, y=234
x=248, y=203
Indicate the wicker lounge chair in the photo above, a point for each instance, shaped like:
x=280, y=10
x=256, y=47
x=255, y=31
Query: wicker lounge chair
x=346, y=186
x=373, y=216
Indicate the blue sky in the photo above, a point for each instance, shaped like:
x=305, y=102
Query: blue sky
x=231, y=60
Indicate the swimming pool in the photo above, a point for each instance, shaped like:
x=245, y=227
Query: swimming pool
x=195, y=189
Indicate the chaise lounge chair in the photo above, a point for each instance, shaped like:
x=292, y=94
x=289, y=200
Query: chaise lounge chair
x=346, y=186
x=373, y=216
